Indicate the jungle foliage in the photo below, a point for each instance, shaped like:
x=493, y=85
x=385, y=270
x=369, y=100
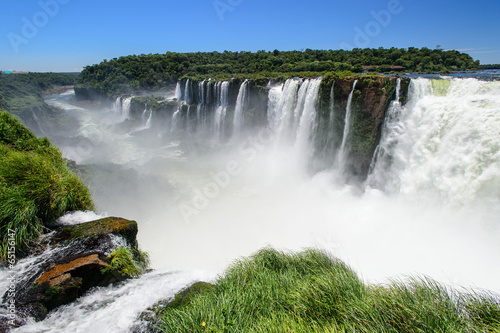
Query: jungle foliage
x=154, y=71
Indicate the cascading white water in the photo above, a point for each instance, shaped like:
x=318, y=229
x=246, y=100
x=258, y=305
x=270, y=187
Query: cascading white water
x=347, y=128
x=176, y=119
x=222, y=92
x=380, y=170
x=187, y=92
x=148, y=121
x=450, y=148
x=178, y=92
x=306, y=125
x=239, y=109
x=115, y=309
x=201, y=103
x=126, y=107
x=299, y=107
x=331, y=116
x=117, y=106
x=281, y=107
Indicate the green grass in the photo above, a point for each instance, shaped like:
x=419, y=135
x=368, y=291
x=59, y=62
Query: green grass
x=311, y=292
x=36, y=186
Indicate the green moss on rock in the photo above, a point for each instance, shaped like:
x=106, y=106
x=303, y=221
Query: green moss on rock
x=109, y=225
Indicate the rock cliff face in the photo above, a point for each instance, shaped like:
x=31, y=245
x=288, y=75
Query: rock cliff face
x=370, y=101
x=69, y=261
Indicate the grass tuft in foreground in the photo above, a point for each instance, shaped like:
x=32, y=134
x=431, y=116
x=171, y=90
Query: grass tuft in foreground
x=36, y=186
x=310, y=291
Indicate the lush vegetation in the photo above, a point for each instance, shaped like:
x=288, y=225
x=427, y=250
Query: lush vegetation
x=17, y=91
x=21, y=95
x=312, y=292
x=36, y=186
x=128, y=262
x=156, y=70
x=492, y=66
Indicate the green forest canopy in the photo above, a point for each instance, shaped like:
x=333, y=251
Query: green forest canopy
x=156, y=70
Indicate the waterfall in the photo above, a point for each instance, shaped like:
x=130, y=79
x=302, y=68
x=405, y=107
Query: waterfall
x=126, y=107
x=347, y=128
x=187, y=92
x=449, y=149
x=143, y=117
x=379, y=174
x=281, y=106
x=273, y=100
x=176, y=119
x=331, y=117
x=117, y=106
x=222, y=92
x=308, y=98
x=241, y=102
x=201, y=103
x=299, y=107
x=209, y=92
x=148, y=122
x=178, y=92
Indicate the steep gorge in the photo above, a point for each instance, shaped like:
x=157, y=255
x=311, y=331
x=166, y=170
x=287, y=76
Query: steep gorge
x=195, y=107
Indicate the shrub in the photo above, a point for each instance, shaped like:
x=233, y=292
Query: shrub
x=312, y=292
x=36, y=186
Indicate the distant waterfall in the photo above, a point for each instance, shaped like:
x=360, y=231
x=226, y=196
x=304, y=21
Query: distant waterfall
x=176, y=119
x=148, y=122
x=299, y=107
x=379, y=174
x=241, y=102
x=449, y=149
x=178, y=92
x=308, y=98
x=201, y=103
x=347, y=129
x=332, y=106
x=281, y=106
x=117, y=106
x=222, y=92
x=187, y=92
x=126, y=107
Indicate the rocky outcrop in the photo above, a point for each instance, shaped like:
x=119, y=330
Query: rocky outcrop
x=99, y=228
x=71, y=260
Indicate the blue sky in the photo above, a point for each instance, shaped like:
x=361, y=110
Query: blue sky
x=66, y=35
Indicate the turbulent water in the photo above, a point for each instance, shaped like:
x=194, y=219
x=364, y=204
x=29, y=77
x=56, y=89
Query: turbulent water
x=430, y=205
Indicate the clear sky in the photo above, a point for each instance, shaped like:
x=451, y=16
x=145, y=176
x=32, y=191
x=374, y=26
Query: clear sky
x=66, y=35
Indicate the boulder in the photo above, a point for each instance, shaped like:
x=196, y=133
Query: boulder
x=106, y=226
x=70, y=261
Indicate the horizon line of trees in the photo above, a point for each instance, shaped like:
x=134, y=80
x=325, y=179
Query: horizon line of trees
x=157, y=70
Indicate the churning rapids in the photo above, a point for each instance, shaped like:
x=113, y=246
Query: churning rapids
x=203, y=196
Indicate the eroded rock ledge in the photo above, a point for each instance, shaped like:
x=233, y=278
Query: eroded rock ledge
x=68, y=262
